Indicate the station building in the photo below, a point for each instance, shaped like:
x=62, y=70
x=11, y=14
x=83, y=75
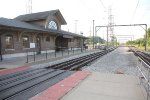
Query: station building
x=36, y=31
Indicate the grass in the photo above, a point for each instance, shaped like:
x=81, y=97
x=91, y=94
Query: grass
x=142, y=48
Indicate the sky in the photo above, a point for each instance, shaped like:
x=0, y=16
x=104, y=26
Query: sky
x=79, y=14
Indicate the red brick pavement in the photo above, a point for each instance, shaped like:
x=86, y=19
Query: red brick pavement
x=58, y=90
x=8, y=71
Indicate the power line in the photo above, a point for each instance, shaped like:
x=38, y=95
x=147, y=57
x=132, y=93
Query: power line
x=89, y=8
x=102, y=4
x=135, y=10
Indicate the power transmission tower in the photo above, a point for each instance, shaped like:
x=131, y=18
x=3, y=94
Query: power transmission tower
x=29, y=7
x=110, y=23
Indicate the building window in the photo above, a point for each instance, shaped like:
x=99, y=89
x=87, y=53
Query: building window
x=25, y=41
x=9, y=42
x=48, y=39
x=52, y=25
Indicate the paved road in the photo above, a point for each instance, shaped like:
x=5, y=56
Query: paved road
x=118, y=61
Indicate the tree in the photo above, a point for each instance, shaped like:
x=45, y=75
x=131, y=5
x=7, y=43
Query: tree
x=138, y=42
x=97, y=39
x=148, y=33
x=148, y=37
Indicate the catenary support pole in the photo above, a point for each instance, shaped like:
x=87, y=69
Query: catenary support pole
x=93, y=34
x=145, y=37
x=107, y=36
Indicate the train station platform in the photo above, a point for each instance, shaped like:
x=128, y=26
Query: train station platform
x=108, y=87
x=95, y=86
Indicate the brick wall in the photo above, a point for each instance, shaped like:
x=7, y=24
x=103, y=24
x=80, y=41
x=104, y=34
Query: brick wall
x=17, y=42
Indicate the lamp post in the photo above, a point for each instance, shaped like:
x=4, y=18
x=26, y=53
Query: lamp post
x=107, y=36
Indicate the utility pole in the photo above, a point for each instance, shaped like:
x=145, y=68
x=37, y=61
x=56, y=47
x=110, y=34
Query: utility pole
x=145, y=37
x=93, y=34
x=29, y=7
x=107, y=36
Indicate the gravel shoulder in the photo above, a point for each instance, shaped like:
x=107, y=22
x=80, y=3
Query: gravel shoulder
x=119, y=61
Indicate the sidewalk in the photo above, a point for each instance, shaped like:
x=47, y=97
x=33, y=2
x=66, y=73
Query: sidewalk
x=108, y=87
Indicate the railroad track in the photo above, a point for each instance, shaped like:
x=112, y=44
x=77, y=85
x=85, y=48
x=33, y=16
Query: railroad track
x=144, y=56
x=25, y=84
x=78, y=63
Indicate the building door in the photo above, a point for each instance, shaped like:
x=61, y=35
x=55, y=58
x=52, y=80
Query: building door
x=61, y=43
x=38, y=45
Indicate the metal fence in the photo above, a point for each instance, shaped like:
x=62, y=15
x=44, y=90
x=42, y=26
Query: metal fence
x=33, y=55
x=144, y=75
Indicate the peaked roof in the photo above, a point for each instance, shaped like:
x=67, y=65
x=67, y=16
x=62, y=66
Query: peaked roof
x=14, y=23
x=41, y=15
x=18, y=24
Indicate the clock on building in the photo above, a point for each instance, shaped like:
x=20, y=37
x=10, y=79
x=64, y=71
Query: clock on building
x=52, y=25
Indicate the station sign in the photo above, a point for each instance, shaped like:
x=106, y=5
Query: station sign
x=32, y=45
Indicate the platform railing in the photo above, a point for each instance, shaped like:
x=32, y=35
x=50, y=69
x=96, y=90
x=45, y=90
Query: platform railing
x=144, y=75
